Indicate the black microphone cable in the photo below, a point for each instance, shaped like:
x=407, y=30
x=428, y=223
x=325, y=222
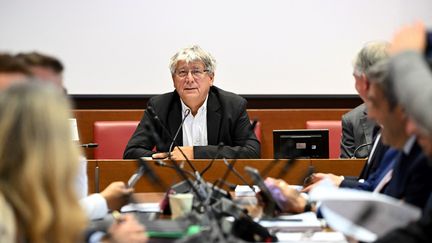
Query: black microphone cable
x=163, y=164
x=358, y=148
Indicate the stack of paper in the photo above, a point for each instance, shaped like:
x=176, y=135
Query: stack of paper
x=317, y=237
x=141, y=207
x=363, y=215
x=293, y=223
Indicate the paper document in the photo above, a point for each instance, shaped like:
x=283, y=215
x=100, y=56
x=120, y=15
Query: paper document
x=245, y=191
x=141, y=207
x=293, y=223
x=317, y=237
x=363, y=215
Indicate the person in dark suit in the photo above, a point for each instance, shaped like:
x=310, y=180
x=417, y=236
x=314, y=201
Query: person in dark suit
x=407, y=175
x=412, y=79
x=410, y=179
x=357, y=128
x=218, y=125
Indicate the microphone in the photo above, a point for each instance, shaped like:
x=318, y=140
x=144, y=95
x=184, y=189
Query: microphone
x=185, y=115
x=293, y=156
x=152, y=113
x=89, y=145
x=358, y=148
x=150, y=173
x=163, y=164
x=231, y=168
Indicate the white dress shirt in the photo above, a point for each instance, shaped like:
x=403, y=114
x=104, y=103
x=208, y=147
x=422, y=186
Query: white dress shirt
x=195, y=127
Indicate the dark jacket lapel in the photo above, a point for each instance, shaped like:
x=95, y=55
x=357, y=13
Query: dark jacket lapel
x=214, y=116
x=175, y=118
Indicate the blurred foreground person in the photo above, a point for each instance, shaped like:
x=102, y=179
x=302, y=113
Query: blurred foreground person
x=12, y=70
x=38, y=158
x=44, y=67
x=412, y=78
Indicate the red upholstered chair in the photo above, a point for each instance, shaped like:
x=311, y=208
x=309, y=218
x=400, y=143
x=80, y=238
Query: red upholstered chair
x=335, y=134
x=112, y=137
x=257, y=130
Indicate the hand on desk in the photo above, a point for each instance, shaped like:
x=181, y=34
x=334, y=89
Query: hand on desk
x=176, y=154
x=294, y=202
x=315, y=178
x=116, y=194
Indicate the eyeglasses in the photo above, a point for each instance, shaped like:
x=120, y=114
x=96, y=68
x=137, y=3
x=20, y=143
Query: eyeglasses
x=196, y=73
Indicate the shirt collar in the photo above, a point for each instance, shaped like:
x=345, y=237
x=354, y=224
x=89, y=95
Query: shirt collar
x=409, y=145
x=202, y=108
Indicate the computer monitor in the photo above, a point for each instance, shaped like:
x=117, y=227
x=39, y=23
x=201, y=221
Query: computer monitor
x=301, y=143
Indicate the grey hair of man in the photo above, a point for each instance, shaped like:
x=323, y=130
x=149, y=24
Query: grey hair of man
x=192, y=54
x=379, y=74
x=371, y=53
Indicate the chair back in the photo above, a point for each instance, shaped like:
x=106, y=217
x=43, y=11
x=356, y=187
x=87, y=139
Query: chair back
x=335, y=134
x=112, y=137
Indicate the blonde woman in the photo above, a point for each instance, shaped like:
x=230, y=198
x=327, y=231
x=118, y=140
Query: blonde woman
x=38, y=161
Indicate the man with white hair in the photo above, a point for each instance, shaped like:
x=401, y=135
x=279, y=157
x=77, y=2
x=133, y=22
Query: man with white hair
x=216, y=124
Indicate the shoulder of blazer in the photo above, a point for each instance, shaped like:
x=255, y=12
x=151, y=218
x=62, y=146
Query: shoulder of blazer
x=225, y=98
x=162, y=103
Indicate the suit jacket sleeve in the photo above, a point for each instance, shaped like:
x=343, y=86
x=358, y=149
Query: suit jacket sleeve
x=347, y=141
x=143, y=140
x=244, y=145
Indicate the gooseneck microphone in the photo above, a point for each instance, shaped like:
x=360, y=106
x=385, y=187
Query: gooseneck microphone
x=358, y=148
x=185, y=115
x=153, y=114
x=163, y=164
x=233, y=170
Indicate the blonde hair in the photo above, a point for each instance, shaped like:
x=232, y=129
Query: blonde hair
x=38, y=161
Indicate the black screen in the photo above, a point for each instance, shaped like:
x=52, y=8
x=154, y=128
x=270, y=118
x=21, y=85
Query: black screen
x=303, y=143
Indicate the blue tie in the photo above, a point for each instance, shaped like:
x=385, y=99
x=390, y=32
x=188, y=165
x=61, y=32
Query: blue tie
x=388, y=162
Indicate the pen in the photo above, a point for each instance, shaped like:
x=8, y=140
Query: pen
x=284, y=220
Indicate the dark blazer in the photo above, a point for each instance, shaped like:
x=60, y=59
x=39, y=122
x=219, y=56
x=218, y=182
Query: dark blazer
x=357, y=129
x=412, y=178
x=227, y=123
x=372, y=181
x=370, y=168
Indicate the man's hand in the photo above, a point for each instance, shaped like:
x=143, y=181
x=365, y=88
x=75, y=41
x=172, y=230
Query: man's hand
x=126, y=229
x=411, y=37
x=176, y=154
x=116, y=195
x=294, y=203
x=317, y=177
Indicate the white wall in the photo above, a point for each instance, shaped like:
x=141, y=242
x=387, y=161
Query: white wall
x=262, y=47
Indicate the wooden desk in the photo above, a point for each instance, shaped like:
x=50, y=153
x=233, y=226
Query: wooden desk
x=121, y=170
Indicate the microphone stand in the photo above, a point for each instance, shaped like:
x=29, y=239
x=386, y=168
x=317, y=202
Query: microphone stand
x=358, y=148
